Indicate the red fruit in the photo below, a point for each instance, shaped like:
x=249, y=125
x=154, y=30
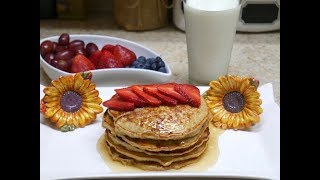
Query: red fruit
x=168, y=89
x=116, y=103
x=124, y=55
x=80, y=63
x=146, y=97
x=94, y=57
x=153, y=91
x=190, y=92
x=108, y=47
x=107, y=60
x=128, y=95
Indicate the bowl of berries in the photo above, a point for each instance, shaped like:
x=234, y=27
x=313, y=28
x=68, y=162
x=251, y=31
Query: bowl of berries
x=112, y=61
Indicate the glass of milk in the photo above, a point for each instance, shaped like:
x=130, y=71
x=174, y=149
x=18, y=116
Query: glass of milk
x=210, y=31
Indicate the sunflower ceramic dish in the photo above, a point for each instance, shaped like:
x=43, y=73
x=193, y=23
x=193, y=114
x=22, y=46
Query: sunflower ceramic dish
x=71, y=101
x=234, y=102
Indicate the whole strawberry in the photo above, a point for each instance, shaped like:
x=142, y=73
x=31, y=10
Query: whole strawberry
x=124, y=55
x=107, y=60
x=80, y=64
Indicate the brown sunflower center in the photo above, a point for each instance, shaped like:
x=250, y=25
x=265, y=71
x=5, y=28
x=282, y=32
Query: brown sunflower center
x=70, y=101
x=233, y=102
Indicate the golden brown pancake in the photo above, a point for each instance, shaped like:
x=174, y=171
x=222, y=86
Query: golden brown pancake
x=162, y=160
x=162, y=122
x=148, y=165
x=155, y=145
x=118, y=141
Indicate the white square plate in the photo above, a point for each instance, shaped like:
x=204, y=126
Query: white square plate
x=243, y=154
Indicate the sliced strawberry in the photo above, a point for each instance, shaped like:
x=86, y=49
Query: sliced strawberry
x=108, y=47
x=94, y=57
x=153, y=91
x=128, y=95
x=124, y=55
x=116, y=103
x=107, y=60
x=149, y=99
x=190, y=92
x=80, y=64
x=168, y=89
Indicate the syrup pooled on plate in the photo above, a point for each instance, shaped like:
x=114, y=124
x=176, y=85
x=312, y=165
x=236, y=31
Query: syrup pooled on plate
x=208, y=158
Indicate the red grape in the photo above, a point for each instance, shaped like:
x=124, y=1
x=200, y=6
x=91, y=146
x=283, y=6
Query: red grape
x=46, y=47
x=63, y=65
x=49, y=57
x=80, y=50
x=64, y=55
x=61, y=48
x=64, y=39
x=91, y=48
x=76, y=43
x=54, y=63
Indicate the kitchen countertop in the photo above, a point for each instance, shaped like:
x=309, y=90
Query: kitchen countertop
x=254, y=54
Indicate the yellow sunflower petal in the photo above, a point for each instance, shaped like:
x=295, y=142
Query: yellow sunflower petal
x=91, y=87
x=236, y=121
x=214, y=104
x=52, y=104
x=225, y=118
x=84, y=117
x=51, y=91
x=91, y=114
x=232, y=83
x=215, y=111
x=93, y=106
x=224, y=82
x=231, y=120
x=90, y=94
x=216, y=85
x=62, y=120
x=249, y=91
x=51, y=111
x=219, y=115
x=96, y=100
x=78, y=81
x=69, y=118
x=245, y=84
x=215, y=98
x=57, y=115
x=65, y=81
x=253, y=101
x=215, y=92
x=76, y=119
x=83, y=88
x=51, y=98
x=57, y=84
x=253, y=116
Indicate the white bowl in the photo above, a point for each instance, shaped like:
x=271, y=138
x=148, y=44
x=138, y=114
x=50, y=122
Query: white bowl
x=113, y=76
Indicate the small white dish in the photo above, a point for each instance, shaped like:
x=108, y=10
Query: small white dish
x=113, y=76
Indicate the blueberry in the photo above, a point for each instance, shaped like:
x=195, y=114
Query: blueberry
x=160, y=64
x=154, y=66
x=141, y=59
x=139, y=66
x=135, y=63
x=162, y=69
x=158, y=59
x=146, y=66
x=152, y=60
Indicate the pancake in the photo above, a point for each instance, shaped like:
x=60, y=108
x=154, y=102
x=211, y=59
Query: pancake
x=162, y=160
x=148, y=166
x=155, y=145
x=162, y=122
x=179, y=152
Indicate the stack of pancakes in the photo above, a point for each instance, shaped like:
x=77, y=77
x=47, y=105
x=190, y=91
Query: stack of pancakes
x=157, y=138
